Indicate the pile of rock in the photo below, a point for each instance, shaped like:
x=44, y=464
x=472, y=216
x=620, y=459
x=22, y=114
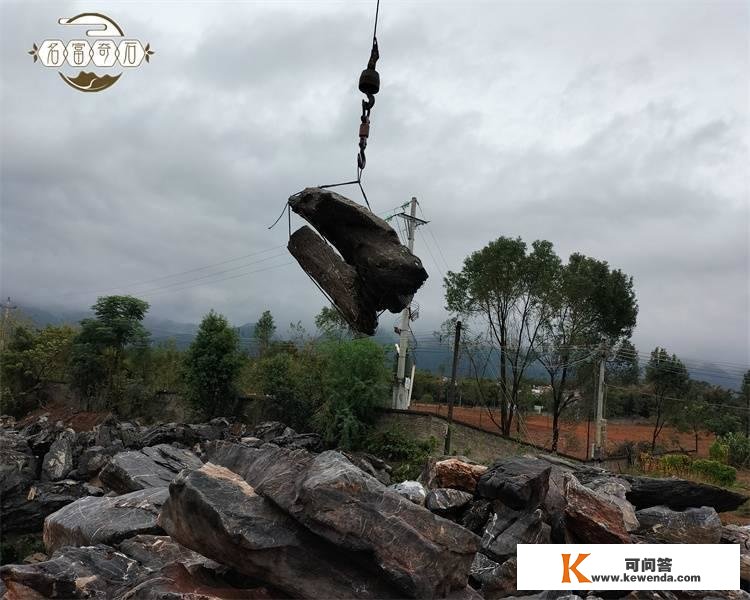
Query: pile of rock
x=213, y=511
x=543, y=499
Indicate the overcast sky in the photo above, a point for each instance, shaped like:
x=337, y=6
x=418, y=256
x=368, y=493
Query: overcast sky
x=616, y=129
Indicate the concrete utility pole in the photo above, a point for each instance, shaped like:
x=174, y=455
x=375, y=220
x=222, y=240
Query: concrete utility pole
x=452, y=389
x=7, y=307
x=401, y=395
x=598, y=450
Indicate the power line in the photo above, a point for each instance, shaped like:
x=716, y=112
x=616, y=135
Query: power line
x=177, y=274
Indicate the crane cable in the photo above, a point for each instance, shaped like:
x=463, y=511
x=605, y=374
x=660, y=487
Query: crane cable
x=369, y=85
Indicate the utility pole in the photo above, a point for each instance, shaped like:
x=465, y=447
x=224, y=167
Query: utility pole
x=452, y=389
x=400, y=394
x=598, y=450
x=7, y=307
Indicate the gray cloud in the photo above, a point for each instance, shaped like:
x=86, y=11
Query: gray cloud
x=617, y=130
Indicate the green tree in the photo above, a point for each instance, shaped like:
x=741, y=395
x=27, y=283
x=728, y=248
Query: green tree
x=506, y=289
x=623, y=367
x=31, y=359
x=589, y=303
x=263, y=332
x=668, y=380
x=355, y=382
x=212, y=365
x=332, y=325
x=98, y=354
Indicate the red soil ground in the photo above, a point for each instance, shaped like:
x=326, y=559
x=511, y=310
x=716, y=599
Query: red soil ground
x=538, y=431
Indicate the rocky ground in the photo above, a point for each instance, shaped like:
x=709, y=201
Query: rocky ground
x=211, y=511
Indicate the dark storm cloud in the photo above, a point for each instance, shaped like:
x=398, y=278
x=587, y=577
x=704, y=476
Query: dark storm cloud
x=620, y=131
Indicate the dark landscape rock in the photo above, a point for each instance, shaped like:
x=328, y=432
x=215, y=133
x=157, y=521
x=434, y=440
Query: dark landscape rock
x=476, y=516
x=268, y=430
x=178, y=582
x=337, y=279
x=94, y=458
x=149, y=467
x=423, y=553
x=679, y=494
x=58, y=461
x=40, y=434
x=97, y=572
x=300, y=441
x=18, y=469
x=447, y=501
x=454, y=473
x=371, y=465
x=169, y=433
x=105, y=520
x=507, y=528
x=387, y=273
x=252, y=535
x=25, y=513
x=411, y=490
x=156, y=551
x=517, y=481
x=591, y=518
x=495, y=580
x=690, y=526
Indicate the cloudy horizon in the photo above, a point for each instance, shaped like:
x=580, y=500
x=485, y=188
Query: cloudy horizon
x=619, y=130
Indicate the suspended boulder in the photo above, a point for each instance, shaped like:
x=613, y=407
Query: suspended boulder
x=374, y=271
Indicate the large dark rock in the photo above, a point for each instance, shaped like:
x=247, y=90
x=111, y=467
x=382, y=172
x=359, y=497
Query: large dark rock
x=423, y=553
x=338, y=280
x=691, y=526
x=169, y=433
x=105, y=520
x=40, y=434
x=58, y=461
x=591, y=518
x=495, y=580
x=387, y=274
x=146, y=468
x=215, y=512
x=507, y=528
x=25, y=513
x=97, y=572
x=268, y=430
x=447, y=501
x=371, y=465
x=156, y=551
x=94, y=458
x=679, y=494
x=178, y=582
x=476, y=516
x=517, y=481
x=18, y=468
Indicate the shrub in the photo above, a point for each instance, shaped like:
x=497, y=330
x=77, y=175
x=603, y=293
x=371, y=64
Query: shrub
x=738, y=449
x=715, y=471
x=355, y=384
x=394, y=445
x=675, y=464
x=719, y=451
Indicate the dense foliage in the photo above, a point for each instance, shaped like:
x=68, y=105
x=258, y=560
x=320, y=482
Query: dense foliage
x=212, y=365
